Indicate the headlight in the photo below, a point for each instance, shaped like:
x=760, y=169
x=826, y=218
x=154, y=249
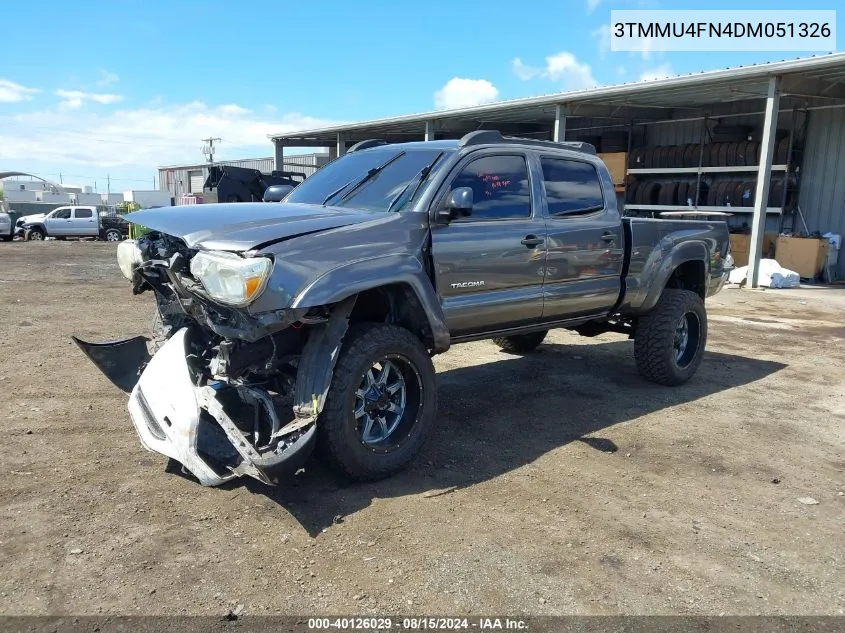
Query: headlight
x=128, y=256
x=229, y=278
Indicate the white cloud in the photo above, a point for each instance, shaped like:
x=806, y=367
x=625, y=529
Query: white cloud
x=524, y=71
x=602, y=34
x=645, y=48
x=233, y=108
x=592, y=4
x=464, y=93
x=107, y=78
x=658, y=72
x=140, y=139
x=563, y=68
x=75, y=98
x=10, y=92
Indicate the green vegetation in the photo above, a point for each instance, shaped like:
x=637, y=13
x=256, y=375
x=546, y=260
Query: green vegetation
x=135, y=230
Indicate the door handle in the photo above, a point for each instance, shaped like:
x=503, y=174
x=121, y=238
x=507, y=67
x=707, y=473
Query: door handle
x=608, y=237
x=532, y=240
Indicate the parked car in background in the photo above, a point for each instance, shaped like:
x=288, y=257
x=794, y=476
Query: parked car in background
x=7, y=231
x=7, y=221
x=75, y=221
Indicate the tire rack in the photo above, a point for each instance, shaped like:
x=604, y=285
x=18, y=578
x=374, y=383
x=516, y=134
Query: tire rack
x=709, y=161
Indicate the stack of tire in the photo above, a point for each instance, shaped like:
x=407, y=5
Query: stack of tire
x=720, y=154
x=651, y=192
x=722, y=190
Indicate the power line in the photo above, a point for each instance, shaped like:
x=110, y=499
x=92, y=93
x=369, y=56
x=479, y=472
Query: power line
x=63, y=174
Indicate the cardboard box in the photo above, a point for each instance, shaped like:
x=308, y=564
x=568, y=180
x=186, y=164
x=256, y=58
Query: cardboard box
x=806, y=256
x=617, y=164
x=740, y=247
x=769, y=244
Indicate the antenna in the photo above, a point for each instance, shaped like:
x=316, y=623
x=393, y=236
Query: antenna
x=208, y=148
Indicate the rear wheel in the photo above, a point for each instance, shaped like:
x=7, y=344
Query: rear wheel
x=113, y=235
x=521, y=343
x=669, y=341
x=381, y=404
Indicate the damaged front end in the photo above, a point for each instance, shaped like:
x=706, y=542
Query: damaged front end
x=224, y=392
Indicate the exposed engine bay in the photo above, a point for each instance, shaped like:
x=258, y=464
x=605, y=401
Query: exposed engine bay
x=216, y=388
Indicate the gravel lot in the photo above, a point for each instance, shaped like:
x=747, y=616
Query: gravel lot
x=559, y=483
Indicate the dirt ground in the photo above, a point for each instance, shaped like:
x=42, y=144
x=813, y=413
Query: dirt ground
x=559, y=483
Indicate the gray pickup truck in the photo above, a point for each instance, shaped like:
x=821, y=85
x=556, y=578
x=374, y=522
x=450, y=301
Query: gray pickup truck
x=311, y=323
x=73, y=221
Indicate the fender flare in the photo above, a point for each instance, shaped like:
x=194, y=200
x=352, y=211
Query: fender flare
x=36, y=225
x=681, y=254
x=355, y=277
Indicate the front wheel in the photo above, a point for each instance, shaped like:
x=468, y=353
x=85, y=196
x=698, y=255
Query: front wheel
x=669, y=341
x=381, y=404
x=35, y=235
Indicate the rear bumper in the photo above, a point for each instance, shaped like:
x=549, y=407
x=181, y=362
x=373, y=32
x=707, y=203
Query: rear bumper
x=174, y=417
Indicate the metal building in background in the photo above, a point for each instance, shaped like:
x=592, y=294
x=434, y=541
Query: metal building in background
x=182, y=180
x=763, y=143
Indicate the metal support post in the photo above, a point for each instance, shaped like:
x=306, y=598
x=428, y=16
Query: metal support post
x=279, y=155
x=764, y=173
x=559, y=132
x=429, y=130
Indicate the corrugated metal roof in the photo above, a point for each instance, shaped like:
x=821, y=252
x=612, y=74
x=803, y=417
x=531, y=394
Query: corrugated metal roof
x=692, y=90
x=234, y=162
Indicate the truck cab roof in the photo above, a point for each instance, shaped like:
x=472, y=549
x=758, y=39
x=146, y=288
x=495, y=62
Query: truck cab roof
x=479, y=138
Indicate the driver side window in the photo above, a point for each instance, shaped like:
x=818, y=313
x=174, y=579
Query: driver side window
x=62, y=214
x=500, y=187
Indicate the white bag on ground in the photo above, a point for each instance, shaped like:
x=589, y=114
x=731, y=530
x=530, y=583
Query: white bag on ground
x=772, y=275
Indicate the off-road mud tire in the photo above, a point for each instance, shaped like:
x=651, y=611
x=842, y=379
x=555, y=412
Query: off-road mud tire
x=654, y=341
x=339, y=443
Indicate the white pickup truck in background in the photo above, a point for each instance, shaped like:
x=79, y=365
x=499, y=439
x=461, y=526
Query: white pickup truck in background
x=74, y=221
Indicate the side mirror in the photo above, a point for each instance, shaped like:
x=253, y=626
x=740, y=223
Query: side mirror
x=458, y=203
x=275, y=193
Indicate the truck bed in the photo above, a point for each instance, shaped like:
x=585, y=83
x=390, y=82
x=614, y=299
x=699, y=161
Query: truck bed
x=655, y=248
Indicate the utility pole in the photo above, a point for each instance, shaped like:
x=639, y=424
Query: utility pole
x=208, y=148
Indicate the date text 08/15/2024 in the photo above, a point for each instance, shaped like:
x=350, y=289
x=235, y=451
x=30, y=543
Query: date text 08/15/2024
x=416, y=623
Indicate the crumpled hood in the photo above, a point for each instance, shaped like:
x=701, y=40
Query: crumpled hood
x=33, y=217
x=240, y=226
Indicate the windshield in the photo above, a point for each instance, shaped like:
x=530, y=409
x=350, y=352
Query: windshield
x=380, y=191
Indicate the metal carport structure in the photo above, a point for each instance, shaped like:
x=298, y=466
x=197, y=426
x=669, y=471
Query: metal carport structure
x=765, y=91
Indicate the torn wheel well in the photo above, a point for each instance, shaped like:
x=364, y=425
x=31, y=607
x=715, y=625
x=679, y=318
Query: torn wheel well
x=397, y=304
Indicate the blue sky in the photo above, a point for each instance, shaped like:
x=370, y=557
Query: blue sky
x=118, y=88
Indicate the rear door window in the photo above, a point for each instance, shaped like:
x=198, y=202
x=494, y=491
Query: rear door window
x=572, y=187
x=83, y=213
